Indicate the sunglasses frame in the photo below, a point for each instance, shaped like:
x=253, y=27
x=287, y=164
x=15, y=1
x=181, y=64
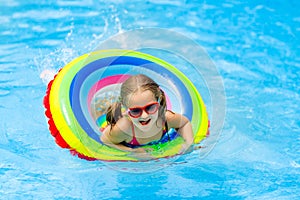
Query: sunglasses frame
x=143, y=108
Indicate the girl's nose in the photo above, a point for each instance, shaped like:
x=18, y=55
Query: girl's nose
x=144, y=114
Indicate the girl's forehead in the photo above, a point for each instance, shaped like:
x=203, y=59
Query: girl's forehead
x=141, y=98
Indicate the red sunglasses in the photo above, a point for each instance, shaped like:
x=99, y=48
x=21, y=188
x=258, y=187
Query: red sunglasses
x=136, y=112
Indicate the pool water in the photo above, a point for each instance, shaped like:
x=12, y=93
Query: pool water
x=255, y=48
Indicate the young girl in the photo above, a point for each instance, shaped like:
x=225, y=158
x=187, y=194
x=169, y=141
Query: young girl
x=146, y=120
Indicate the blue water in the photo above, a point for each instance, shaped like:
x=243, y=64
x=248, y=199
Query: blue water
x=254, y=46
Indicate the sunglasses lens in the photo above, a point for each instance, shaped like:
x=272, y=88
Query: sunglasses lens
x=136, y=112
x=151, y=108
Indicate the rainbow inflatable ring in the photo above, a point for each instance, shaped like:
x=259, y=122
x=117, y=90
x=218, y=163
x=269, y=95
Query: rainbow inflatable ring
x=75, y=96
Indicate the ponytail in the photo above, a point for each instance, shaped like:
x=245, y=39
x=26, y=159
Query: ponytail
x=113, y=113
x=163, y=104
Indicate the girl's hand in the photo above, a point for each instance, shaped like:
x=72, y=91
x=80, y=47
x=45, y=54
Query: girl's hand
x=186, y=148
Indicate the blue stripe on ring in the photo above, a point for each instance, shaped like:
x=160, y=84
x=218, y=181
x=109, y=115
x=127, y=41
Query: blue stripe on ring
x=120, y=60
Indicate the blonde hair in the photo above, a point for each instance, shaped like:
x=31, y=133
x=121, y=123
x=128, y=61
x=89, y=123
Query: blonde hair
x=133, y=84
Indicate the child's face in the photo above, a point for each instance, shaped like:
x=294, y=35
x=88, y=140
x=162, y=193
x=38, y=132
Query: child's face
x=140, y=99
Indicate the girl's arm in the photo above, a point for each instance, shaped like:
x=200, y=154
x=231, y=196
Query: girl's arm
x=114, y=136
x=183, y=126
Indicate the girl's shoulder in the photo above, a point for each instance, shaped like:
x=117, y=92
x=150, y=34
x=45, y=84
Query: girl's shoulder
x=119, y=132
x=175, y=120
x=123, y=125
x=170, y=115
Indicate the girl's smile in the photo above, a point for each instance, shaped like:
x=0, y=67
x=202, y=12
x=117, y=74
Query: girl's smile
x=144, y=122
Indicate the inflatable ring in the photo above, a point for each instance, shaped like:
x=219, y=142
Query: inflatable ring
x=79, y=89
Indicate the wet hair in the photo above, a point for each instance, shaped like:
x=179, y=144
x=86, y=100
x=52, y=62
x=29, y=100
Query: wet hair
x=133, y=84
